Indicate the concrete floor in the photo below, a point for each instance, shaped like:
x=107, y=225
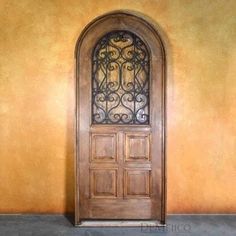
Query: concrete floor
x=50, y=225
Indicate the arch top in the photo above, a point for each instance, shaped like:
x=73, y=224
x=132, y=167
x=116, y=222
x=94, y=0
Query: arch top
x=121, y=20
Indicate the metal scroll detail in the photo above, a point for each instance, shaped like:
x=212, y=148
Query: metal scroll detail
x=120, y=80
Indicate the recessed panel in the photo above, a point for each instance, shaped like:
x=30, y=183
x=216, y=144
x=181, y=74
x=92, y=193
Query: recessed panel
x=137, y=183
x=137, y=147
x=104, y=148
x=103, y=183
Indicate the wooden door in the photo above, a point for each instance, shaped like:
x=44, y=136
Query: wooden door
x=120, y=120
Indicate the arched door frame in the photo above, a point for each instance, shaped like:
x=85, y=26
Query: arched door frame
x=140, y=27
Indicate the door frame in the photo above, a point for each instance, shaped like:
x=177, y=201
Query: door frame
x=145, y=24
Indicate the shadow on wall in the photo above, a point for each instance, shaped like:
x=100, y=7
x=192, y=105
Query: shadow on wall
x=69, y=160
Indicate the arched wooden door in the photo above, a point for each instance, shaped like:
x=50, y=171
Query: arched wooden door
x=120, y=164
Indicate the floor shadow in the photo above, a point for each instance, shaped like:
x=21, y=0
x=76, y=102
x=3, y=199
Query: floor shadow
x=70, y=217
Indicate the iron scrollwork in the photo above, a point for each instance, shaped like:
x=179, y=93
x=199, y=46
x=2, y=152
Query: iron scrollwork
x=120, y=80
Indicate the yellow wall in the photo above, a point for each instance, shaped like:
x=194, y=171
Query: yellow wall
x=37, y=41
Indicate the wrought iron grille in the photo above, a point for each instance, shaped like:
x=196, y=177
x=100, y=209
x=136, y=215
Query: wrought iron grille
x=120, y=80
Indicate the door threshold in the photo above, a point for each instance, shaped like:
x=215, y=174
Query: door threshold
x=120, y=223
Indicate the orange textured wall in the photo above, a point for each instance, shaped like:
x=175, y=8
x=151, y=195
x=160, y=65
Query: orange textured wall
x=37, y=41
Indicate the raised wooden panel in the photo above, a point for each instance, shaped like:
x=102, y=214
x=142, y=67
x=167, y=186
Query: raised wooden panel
x=103, y=183
x=104, y=147
x=137, y=183
x=137, y=147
